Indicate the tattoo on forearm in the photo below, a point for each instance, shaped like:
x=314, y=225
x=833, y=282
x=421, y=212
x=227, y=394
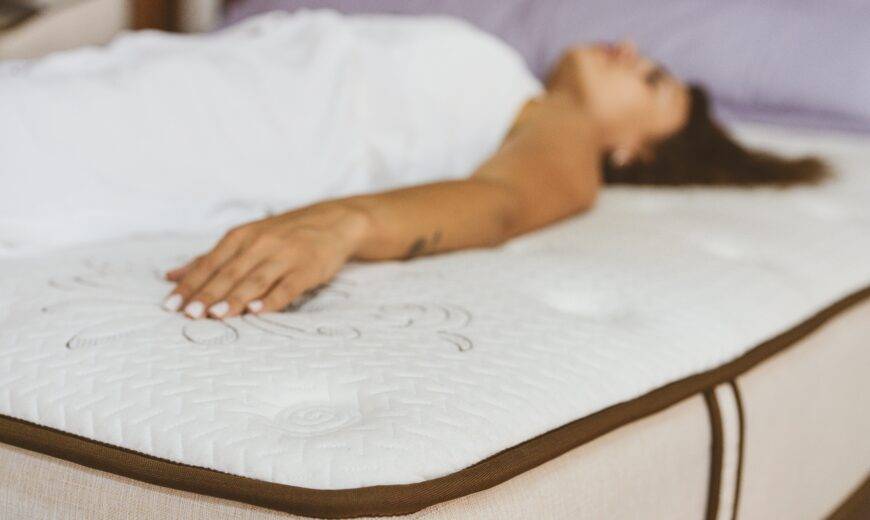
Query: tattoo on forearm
x=423, y=247
x=416, y=248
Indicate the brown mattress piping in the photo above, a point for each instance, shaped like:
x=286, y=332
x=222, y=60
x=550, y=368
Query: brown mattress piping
x=856, y=506
x=716, y=453
x=405, y=498
x=741, y=418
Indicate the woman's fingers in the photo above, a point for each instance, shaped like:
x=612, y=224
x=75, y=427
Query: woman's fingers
x=260, y=272
x=222, y=282
x=254, y=285
x=288, y=289
x=197, y=273
x=175, y=274
x=190, y=283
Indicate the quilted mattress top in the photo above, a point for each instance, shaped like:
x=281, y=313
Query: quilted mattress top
x=407, y=371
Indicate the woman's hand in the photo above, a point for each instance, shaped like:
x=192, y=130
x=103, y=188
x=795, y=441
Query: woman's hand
x=265, y=265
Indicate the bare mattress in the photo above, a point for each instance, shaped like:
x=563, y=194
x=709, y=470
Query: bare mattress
x=722, y=331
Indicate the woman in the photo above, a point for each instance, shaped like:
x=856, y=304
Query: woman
x=607, y=115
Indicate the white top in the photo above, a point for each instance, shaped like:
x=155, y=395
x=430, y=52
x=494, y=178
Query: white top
x=167, y=132
x=406, y=371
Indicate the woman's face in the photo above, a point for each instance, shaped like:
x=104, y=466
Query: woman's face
x=634, y=101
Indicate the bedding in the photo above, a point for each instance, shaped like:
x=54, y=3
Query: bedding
x=154, y=132
x=405, y=384
x=780, y=61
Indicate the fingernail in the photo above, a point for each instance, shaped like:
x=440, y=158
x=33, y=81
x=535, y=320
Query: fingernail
x=255, y=306
x=219, y=309
x=172, y=303
x=194, y=309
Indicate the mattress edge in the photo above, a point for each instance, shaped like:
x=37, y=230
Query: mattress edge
x=398, y=499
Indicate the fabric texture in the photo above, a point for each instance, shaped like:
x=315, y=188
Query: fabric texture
x=787, y=61
x=161, y=132
x=654, y=467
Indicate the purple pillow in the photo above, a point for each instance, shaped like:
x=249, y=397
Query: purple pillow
x=795, y=61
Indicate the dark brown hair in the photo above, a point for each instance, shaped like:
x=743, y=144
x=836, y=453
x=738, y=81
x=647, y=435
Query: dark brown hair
x=703, y=152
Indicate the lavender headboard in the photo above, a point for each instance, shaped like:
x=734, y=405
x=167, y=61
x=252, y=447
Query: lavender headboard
x=794, y=61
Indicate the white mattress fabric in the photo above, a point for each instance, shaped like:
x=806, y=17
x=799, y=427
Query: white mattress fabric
x=401, y=372
x=161, y=132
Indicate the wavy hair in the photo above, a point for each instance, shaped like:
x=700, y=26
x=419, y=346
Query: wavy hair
x=703, y=152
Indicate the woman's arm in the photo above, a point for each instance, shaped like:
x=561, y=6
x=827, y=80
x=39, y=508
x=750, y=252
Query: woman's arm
x=541, y=174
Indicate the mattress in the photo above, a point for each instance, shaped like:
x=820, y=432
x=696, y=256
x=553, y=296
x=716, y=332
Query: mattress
x=407, y=384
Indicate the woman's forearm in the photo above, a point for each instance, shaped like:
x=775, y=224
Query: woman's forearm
x=510, y=195
x=432, y=218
